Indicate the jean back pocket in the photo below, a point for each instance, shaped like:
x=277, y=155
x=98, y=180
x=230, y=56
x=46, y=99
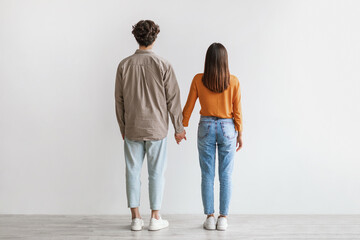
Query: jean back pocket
x=203, y=129
x=228, y=130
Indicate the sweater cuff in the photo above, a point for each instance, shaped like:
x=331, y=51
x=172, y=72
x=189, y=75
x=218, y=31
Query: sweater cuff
x=238, y=128
x=185, y=122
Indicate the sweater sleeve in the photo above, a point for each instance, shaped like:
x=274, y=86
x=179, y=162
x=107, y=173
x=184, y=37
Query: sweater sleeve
x=237, y=108
x=190, y=103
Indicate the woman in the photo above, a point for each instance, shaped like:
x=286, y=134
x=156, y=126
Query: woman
x=220, y=125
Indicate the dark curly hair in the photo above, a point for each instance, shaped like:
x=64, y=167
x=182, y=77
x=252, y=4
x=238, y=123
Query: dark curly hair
x=145, y=32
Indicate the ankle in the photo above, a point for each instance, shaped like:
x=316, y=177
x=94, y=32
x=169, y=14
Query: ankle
x=155, y=214
x=210, y=215
x=220, y=216
x=135, y=213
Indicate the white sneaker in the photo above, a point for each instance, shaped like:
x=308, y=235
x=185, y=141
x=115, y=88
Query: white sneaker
x=137, y=224
x=157, y=224
x=221, y=224
x=209, y=223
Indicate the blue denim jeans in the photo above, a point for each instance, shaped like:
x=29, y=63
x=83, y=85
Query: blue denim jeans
x=156, y=161
x=218, y=132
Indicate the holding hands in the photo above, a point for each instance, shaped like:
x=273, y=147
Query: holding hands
x=180, y=136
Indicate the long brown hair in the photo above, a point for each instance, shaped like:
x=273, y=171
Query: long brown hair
x=216, y=72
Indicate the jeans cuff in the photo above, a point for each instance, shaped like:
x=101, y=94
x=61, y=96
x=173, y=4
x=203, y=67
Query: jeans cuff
x=133, y=205
x=155, y=208
x=209, y=212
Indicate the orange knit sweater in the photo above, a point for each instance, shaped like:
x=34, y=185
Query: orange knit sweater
x=223, y=105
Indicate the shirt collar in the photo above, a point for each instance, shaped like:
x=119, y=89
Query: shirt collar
x=141, y=51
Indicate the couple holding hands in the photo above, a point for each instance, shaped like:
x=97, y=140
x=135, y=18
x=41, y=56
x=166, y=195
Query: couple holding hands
x=146, y=93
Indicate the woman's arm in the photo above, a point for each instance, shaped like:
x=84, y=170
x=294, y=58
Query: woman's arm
x=190, y=103
x=238, y=115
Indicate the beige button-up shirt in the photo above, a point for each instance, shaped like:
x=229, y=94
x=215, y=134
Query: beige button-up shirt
x=146, y=91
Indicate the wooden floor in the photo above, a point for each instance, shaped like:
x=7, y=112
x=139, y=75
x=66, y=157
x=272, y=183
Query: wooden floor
x=181, y=227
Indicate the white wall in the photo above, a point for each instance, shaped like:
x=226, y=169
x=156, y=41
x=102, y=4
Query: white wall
x=298, y=65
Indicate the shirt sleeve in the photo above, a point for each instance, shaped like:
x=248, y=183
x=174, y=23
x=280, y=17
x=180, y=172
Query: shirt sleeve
x=119, y=101
x=237, y=108
x=173, y=102
x=190, y=103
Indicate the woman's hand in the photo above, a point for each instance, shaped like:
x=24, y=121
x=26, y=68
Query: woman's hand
x=238, y=142
x=180, y=136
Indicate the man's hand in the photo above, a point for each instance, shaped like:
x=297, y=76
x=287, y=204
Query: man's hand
x=180, y=136
x=238, y=142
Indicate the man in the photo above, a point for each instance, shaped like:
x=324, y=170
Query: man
x=146, y=92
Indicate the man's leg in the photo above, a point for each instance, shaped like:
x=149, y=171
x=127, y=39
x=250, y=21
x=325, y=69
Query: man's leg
x=134, y=157
x=156, y=156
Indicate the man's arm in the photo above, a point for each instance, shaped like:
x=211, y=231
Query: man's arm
x=173, y=102
x=119, y=102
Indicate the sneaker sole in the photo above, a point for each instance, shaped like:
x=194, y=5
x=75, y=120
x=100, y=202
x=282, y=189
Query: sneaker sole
x=157, y=229
x=135, y=230
x=221, y=228
x=209, y=228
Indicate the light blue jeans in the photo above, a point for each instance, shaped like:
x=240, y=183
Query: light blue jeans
x=135, y=152
x=218, y=132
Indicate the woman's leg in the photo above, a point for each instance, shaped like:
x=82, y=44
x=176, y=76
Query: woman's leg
x=207, y=150
x=226, y=152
